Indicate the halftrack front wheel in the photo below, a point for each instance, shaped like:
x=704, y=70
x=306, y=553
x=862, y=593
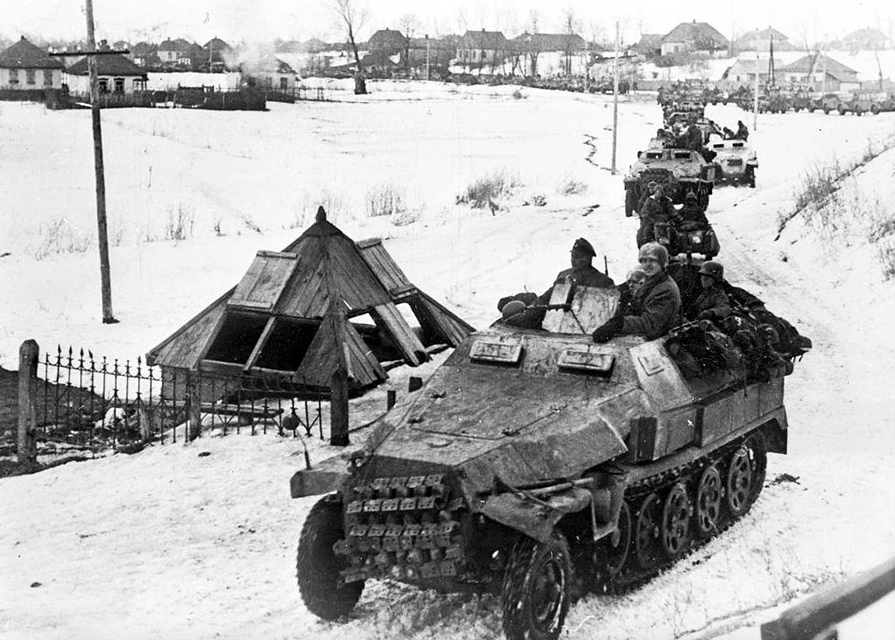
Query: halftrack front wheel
x=676, y=521
x=647, y=543
x=536, y=593
x=318, y=566
x=708, y=502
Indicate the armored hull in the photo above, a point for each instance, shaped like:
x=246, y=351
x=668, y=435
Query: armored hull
x=539, y=457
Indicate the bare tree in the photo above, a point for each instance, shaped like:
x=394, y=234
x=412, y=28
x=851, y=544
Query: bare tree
x=408, y=24
x=352, y=15
x=534, y=45
x=570, y=22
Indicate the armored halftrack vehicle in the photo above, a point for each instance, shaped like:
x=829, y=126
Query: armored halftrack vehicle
x=735, y=161
x=678, y=170
x=534, y=460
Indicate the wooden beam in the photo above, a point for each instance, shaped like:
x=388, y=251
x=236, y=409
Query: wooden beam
x=831, y=606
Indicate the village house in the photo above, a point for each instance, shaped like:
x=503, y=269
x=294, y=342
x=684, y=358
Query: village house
x=866, y=39
x=823, y=74
x=742, y=73
x=266, y=71
x=649, y=45
x=213, y=55
x=693, y=36
x=550, y=54
x=25, y=66
x=172, y=52
x=144, y=54
x=115, y=73
x=478, y=50
x=438, y=51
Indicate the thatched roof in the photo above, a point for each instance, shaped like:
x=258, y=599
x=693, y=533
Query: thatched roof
x=298, y=312
x=24, y=55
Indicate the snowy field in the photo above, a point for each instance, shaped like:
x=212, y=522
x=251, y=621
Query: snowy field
x=167, y=544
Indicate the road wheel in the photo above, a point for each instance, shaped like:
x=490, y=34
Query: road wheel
x=841, y=111
x=630, y=202
x=874, y=109
x=318, y=566
x=858, y=111
x=535, y=596
x=676, y=521
x=745, y=474
x=708, y=502
x=647, y=543
x=826, y=110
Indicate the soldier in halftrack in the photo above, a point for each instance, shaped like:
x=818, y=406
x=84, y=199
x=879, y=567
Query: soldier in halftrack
x=712, y=304
x=657, y=302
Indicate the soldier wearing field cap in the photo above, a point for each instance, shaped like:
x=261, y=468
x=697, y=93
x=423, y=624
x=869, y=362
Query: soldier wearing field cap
x=583, y=273
x=657, y=301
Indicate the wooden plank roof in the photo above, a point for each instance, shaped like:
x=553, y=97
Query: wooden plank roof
x=321, y=268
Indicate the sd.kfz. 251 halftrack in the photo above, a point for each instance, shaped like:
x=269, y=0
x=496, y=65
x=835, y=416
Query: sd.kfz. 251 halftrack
x=534, y=460
x=680, y=171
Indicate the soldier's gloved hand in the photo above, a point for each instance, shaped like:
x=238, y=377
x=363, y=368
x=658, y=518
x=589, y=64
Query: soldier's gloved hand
x=604, y=332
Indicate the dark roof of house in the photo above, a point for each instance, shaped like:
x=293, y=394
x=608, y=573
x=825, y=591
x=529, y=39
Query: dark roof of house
x=142, y=49
x=380, y=58
x=217, y=44
x=482, y=40
x=24, y=55
x=266, y=63
x=695, y=32
x=648, y=42
x=824, y=63
x=178, y=44
x=113, y=64
x=551, y=41
x=763, y=34
x=387, y=39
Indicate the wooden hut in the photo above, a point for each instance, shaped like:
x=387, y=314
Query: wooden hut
x=323, y=306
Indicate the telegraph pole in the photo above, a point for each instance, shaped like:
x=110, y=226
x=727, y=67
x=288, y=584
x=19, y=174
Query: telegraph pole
x=101, y=227
x=755, y=105
x=615, y=101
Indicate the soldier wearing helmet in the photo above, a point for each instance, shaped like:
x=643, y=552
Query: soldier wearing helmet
x=691, y=216
x=712, y=304
x=657, y=302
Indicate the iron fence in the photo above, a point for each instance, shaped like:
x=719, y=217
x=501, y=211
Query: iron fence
x=90, y=404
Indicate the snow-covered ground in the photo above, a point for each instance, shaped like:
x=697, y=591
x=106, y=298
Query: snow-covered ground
x=168, y=544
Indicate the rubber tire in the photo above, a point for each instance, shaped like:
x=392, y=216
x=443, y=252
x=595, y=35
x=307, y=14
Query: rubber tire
x=527, y=558
x=874, y=109
x=630, y=202
x=318, y=566
x=826, y=111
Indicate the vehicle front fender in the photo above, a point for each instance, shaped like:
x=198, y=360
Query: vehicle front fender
x=532, y=518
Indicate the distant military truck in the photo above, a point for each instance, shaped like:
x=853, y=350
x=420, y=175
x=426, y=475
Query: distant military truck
x=873, y=103
x=735, y=161
x=678, y=170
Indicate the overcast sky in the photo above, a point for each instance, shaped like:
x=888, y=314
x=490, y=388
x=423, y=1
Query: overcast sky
x=264, y=20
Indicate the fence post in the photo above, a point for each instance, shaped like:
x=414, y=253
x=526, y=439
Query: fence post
x=338, y=415
x=27, y=447
x=194, y=389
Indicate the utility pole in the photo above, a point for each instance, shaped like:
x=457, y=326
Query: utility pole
x=615, y=101
x=755, y=105
x=101, y=227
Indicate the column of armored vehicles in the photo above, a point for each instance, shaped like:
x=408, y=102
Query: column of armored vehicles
x=541, y=463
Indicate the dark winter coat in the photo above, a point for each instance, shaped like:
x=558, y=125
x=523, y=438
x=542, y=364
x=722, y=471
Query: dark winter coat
x=587, y=276
x=691, y=217
x=653, y=210
x=712, y=304
x=659, y=304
